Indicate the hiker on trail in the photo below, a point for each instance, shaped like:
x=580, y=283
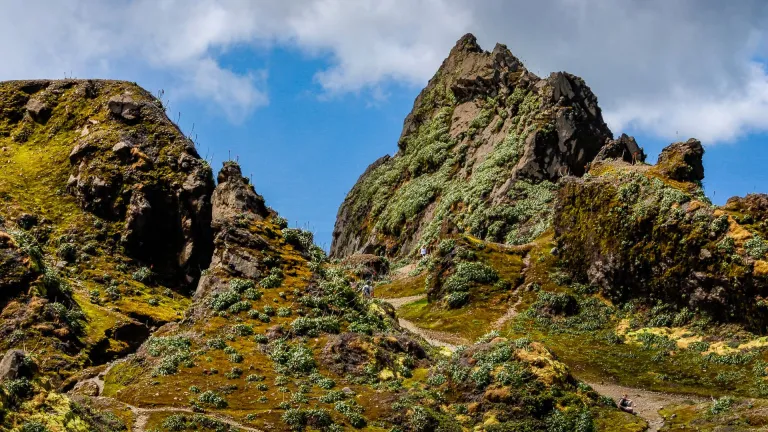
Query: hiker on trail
x=423, y=251
x=367, y=290
x=626, y=404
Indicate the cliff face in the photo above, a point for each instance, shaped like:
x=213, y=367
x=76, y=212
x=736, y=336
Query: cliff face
x=126, y=164
x=484, y=134
x=105, y=221
x=649, y=233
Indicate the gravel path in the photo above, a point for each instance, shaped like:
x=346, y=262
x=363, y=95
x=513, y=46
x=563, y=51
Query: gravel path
x=401, y=301
x=142, y=417
x=433, y=337
x=647, y=403
x=512, y=311
x=142, y=414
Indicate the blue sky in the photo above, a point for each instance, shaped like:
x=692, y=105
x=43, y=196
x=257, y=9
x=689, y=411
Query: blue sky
x=305, y=150
x=307, y=93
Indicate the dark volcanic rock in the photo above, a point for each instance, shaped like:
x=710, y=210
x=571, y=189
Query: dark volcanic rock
x=27, y=221
x=131, y=175
x=124, y=107
x=38, y=109
x=682, y=161
x=16, y=267
x=625, y=148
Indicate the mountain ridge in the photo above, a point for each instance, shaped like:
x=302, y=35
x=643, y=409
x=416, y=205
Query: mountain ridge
x=138, y=294
x=482, y=113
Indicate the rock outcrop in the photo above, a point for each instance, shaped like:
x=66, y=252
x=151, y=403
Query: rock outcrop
x=751, y=210
x=682, y=161
x=12, y=365
x=482, y=129
x=625, y=148
x=649, y=233
x=238, y=251
x=17, y=268
x=130, y=165
x=105, y=222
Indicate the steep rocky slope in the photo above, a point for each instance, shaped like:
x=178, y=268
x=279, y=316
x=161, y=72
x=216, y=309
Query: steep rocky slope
x=539, y=225
x=135, y=295
x=492, y=151
x=640, y=232
x=105, y=204
x=104, y=222
x=478, y=153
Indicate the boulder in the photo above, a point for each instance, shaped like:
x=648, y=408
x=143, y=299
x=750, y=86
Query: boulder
x=122, y=149
x=124, y=107
x=16, y=267
x=12, y=365
x=80, y=149
x=27, y=221
x=38, y=109
x=682, y=161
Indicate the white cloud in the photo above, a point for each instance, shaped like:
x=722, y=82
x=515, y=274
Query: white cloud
x=237, y=95
x=657, y=66
x=712, y=116
x=372, y=41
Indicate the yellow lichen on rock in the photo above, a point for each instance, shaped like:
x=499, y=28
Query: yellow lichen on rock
x=543, y=364
x=761, y=268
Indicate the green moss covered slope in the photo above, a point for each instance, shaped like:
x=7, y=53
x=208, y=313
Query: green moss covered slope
x=478, y=154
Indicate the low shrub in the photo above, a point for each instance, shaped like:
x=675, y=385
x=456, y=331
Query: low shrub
x=143, y=275
x=213, y=399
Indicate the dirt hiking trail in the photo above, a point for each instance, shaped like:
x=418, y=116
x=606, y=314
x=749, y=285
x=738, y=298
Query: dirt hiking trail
x=647, y=403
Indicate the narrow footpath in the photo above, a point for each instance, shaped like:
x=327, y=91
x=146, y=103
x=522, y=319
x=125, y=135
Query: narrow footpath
x=647, y=403
x=142, y=414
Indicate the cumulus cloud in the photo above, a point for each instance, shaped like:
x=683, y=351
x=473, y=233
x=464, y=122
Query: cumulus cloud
x=658, y=67
x=124, y=39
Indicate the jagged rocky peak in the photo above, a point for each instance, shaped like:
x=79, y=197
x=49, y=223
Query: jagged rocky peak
x=237, y=249
x=482, y=127
x=235, y=195
x=470, y=74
